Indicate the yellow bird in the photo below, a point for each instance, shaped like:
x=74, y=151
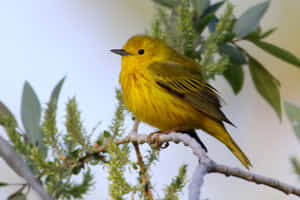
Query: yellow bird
x=166, y=90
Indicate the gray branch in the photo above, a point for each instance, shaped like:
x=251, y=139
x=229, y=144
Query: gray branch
x=197, y=182
x=207, y=165
x=18, y=165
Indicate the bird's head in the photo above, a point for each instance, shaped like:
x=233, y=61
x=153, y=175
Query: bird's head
x=141, y=50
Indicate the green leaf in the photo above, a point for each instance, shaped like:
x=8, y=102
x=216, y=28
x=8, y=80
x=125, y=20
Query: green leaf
x=267, y=33
x=235, y=77
x=56, y=91
x=227, y=37
x=266, y=84
x=167, y=3
x=278, y=52
x=76, y=170
x=75, y=153
x=2, y=184
x=249, y=21
x=203, y=22
x=4, y=113
x=213, y=8
x=106, y=134
x=235, y=55
x=17, y=196
x=293, y=113
x=31, y=116
x=134, y=166
x=200, y=5
x=254, y=35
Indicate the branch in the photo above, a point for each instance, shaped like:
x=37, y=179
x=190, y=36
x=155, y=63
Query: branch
x=133, y=133
x=256, y=178
x=197, y=182
x=207, y=165
x=18, y=165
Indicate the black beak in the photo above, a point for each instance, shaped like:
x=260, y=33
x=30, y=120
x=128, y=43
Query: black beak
x=120, y=52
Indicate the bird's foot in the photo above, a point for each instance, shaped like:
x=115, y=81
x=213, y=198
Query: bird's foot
x=159, y=144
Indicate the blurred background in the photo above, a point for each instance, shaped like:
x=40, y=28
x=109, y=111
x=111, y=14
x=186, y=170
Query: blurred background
x=42, y=41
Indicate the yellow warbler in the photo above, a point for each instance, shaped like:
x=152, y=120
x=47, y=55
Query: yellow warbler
x=166, y=90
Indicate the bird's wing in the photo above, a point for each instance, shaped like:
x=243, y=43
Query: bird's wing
x=187, y=84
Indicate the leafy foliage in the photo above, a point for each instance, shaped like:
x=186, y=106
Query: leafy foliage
x=55, y=171
x=177, y=184
x=118, y=155
x=218, y=51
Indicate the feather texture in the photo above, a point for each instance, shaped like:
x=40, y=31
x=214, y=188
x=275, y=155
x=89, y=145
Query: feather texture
x=187, y=84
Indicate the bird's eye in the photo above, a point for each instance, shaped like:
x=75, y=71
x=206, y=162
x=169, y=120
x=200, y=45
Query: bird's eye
x=141, y=51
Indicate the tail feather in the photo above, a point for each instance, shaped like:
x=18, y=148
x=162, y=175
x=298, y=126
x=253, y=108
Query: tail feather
x=218, y=130
x=235, y=149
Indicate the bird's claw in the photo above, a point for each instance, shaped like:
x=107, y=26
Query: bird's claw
x=159, y=144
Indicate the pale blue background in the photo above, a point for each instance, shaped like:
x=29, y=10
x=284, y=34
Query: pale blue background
x=42, y=41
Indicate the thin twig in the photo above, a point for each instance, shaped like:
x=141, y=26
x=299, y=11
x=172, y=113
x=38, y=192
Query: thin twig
x=133, y=133
x=252, y=177
x=147, y=191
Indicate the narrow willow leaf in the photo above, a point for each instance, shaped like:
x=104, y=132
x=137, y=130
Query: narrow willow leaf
x=266, y=84
x=213, y=8
x=30, y=111
x=235, y=77
x=31, y=116
x=167, y=3
x=267, y=33
x=293, y=113
x=203, y=22
x=249, y=21
x=278, y=52
x=255, y=35
x=235, y=55
x=5, y=112
x=200, y=5
x=55, y=94
x=56, y=91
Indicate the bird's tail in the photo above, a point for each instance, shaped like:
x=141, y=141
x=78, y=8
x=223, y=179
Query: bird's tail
x=218, y=130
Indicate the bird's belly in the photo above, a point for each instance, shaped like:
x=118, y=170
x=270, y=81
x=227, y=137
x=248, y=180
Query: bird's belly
x=155, y=106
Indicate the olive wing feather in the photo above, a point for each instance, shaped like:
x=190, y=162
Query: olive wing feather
x=187, y=83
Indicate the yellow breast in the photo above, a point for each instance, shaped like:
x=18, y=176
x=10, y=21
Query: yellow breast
x=153, y=105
